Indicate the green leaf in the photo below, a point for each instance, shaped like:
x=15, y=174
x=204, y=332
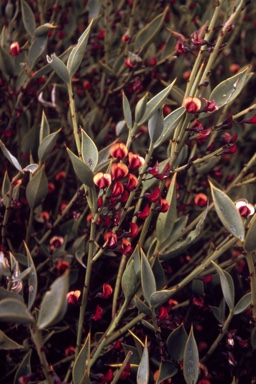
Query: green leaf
x=6, y=184
x=250, y=239
x=59, y=67
x=15, y=311
x=243, y=304
x=93, y=8
x=146, y=34
x=160, y=297
x=191, y=360
x=89, y=150
x=156, y=125
x=28, y=18
x=6, y=63
x=155, y=103
x=32, y=280
x=24, y=368
x=253, y=338
x=219, y=312
x=227, y=212
x=181, y=246
x=37, y=188
x=176, y=343
x=54, y=304
x=43, y=30
x=7, y=343
x=229, y=89
x=77, y=53
x=44, y=128
x=47, y=145
x=82, y=362
x=4, y=294
x=129, y=281
x=170, y=123
x=141, y=108
x=165, y=221
x=10, y=157
x=227, y=286
x=148, y=282
x=167, y=370
x=142, y=307
x=159, y=274
x=143, y=369
x=82, y=170
x=31, y=168
x=127, y=111
x=36, y=50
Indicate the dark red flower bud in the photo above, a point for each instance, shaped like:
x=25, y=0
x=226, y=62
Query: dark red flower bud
x=107, y=291
x=98, y=313
x=132, y=182
x=164, y=205
x=110, y=239
x=154, y=196
x=118, y=189
x=126, y=247
x=144, y=213
x=15, y=49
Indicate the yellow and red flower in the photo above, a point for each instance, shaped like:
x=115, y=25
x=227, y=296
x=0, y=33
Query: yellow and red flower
x=102, y=180
x=118, y=151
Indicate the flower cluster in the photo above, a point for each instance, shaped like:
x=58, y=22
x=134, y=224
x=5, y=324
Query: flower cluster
x=118, y=190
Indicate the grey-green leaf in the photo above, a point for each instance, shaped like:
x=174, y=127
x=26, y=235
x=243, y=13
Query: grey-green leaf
x=176, y=343
x=156, y=125
x=28, y=18
x=36, y=50
x=10, y=157
x=77, y=53
x=82, y=170
x=129, y=281
x=59, y=67
x=32, y=280
x=227, y=286
x=170, y=123
x=250, y=239
x=243, y=303
x=47, y=145
x=191, y=360
x=148, y=282
x=7, y=343
x=155, y=103
x=43, y=30
x=127, y=111
x=167, y=370
x=44, y=128
x=24, y=368
x=143, y=369
x=37, y=188
x=81, y=363
x=54, y=304
x=15, y=311
x=160, y=297
x=229, y=89
x=89, y=150
x=228, y=213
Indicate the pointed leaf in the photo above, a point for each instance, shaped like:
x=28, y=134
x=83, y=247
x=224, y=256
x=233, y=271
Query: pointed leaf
x=191, y=360
x=93, y=8
x=243, y=304
x=89, y=150
x=155, y=103
x=10, y=157
x=54, y=303
x=170, y=123
x=31, y=168
x=24, y=368
x=127, y=111
x=59, y=67
x=36, y=50
x=142, y=307
x=44, y=128
x=227, y=286
x=229, y=89
x=160, y=297
x=82, y=362
x=77, y=53
x=83, y=172
x=228, y=213
x=148, y=282
x=47, y=145
x=32, y=280
x=165, y=221
x=6, y=184
x=156, y=125
x=220, y=311
x=141, y=108
x=7, y=343
x=146, y=34
x=43, y=30
x=28, y=18
x=167, y=370
x=129, y=281
x=250, y=239
x=15, y=311
x=176, y=343
x=159, y=274
x=37, y=188
x=143, y=369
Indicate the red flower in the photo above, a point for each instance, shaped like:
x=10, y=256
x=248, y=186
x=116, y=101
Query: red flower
x=118, y=151
x=61, y=267
x=98, y=313
x=73, y=297
x=117, y=189
x=192, y=104
x=135, y=160
x=144, y=213
x=126, y=247
x=102, y=180
x=132, y=182
x=245, y=209
x=106, y=291
x=201, y=200
x=164, y=205
x=15, y=49
x=210, y=105
x=134, y=230
x=180, y=47
x=110, y=239
x=154, y=196
x=119, y=170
